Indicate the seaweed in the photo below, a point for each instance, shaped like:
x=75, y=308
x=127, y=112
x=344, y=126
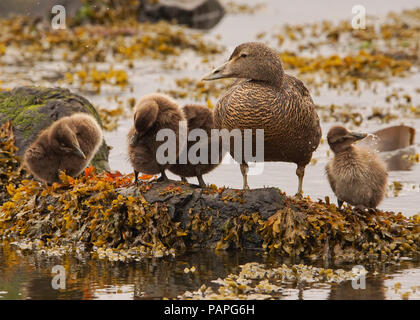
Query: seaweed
x=110, y=217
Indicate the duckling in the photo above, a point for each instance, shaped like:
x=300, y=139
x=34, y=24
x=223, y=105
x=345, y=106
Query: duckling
x=68, y=144
x=153, y=112
x=268, y=98
x=198, y=117
x=356, y=175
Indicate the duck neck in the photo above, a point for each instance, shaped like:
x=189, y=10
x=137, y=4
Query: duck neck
x=346, y=151
x=274, y=74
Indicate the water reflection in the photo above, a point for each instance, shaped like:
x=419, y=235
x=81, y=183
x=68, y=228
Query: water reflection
x=28, y=276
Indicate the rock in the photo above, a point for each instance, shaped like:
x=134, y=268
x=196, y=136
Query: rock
x=400, y=159
x=32, y=109
x=158, y=218
x=200, y=14
x=395, y=146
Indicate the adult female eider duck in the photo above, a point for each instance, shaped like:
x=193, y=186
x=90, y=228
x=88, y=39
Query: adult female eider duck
x=198, y=117
x=356, y=175
x=268, y=98
x=153, y=112
x=68, y=144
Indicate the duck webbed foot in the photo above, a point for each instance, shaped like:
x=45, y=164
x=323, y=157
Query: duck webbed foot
x=361, y=207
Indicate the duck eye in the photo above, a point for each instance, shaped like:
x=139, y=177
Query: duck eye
x=243, y=55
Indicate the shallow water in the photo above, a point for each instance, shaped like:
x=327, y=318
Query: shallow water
x=28, y=276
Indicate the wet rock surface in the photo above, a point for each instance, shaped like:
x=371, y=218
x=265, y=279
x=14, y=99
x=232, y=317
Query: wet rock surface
x=395, y=145
x=33, y=109
x=200, y=14
x=218, y=210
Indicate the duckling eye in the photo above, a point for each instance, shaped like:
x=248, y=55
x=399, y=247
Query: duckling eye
x=243, y=55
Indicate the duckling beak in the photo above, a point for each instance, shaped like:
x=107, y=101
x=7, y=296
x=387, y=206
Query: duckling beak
x=218, y=73
x=78, y=152
x=357, y=136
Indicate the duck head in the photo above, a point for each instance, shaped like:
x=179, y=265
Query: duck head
x=340, y=139
x=63, y=139
x=251, y=60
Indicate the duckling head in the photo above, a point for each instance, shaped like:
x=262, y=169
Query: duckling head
x=340, y=139
x=250, y=60
x=63, y=139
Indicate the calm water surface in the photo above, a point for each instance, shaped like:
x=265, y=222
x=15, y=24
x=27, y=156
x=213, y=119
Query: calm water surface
x=29, y=276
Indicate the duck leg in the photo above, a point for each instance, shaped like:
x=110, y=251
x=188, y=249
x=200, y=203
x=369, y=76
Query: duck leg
x=300, y=172
x=183, y=179
x=200, y=177
x=244, y=171
x=340, y=203
x=136, y=179
x=163, y=176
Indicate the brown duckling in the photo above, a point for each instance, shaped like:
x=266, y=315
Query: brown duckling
x=153, y=112
x=268, y=98
x=198, y=117
x=68, y=144
x=356, y=175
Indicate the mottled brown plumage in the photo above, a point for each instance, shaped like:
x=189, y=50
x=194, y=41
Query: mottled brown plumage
x=153, y=112
x=356, y=175
x=198, y=117
x=267, y=98
x=68, y=144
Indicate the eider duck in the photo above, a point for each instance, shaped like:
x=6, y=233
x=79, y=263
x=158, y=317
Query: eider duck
x=198, y=117
x=68, y=145
x=267, y=98
x=153, y=112
x=356, y=175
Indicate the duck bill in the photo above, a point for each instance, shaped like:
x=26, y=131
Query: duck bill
x=357, y=136
x=219, y=73
x=78, y=152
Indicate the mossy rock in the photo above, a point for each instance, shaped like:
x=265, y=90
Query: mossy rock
x=33, y=109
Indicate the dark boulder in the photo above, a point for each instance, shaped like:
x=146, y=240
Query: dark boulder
x=395, y=146
x=200, y=14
